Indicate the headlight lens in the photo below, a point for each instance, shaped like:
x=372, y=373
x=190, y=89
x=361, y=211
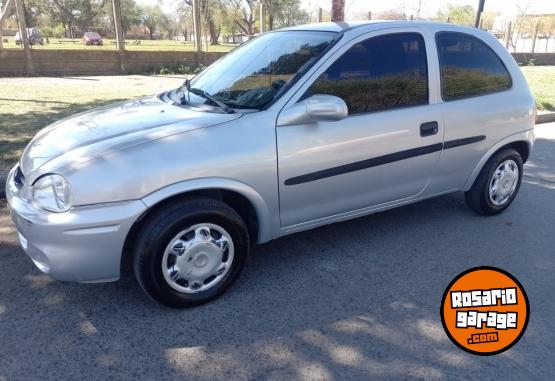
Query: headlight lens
x=51, y=192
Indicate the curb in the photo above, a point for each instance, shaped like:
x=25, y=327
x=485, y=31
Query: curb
x=3, y=177
x=545, y=117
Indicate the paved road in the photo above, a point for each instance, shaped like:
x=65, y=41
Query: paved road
x=357, y=300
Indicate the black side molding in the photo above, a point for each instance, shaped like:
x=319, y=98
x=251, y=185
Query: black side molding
x=463, y=142
x=381, y=160
x=364, y=164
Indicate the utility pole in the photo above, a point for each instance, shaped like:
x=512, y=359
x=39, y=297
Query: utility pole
x=4, y=15
x=319, y=15
x=196, y=26
x=479, y=13
x=262, y=17
x=24, y=36
x=120, y=42
x=337, y=10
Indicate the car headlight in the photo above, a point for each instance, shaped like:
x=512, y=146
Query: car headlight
x=52, y=193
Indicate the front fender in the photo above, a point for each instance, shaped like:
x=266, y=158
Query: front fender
x=268, y=224
x=526, y=136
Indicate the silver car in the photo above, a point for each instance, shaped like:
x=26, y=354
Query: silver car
x=34, y=34
x=295, y=129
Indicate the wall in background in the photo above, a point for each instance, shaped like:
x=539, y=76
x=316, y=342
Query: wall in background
x=76, y=62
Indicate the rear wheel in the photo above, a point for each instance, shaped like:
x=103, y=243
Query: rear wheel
x=497, y=184
x=190, y=252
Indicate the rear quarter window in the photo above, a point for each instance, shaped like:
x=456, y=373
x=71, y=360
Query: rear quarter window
x=469, y=67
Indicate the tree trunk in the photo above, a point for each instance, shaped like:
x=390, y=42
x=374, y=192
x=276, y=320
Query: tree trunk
x=214, y=33
x=118, y=28
x=24, y=36
x=4, y=13
x=337, y=10
x=271, y=22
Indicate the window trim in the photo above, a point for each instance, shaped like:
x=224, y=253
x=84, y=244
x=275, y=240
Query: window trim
x=440, y=62
x=424, y=103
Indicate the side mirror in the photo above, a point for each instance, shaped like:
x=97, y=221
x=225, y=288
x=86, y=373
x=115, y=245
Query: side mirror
x=314, y=109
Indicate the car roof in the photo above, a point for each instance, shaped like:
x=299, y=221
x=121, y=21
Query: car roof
x=344, y=26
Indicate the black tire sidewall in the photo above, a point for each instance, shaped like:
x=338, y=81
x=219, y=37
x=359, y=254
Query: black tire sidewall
x=164, y=229
x=487, y=205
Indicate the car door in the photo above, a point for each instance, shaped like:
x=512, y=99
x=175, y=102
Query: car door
x=478, y=105
x=385, y=150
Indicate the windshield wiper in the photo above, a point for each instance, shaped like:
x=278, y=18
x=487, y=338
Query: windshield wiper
x=205, y=95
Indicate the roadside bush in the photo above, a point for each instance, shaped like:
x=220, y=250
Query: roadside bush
x=181, y=69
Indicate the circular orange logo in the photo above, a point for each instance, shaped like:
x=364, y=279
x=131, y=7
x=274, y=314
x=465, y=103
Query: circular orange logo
x=485, y=310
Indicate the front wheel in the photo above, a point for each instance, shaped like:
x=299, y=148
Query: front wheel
x=497, y=184
x=189, y=252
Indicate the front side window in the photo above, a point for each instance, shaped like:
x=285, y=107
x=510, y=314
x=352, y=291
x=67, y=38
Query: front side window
x=469, y=67
x=380, y=73
x=255, y=74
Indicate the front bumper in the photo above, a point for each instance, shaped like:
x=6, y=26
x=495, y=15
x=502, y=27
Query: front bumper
x=84, y=244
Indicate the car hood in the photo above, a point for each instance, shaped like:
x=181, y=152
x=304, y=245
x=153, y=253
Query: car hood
x=110, y=128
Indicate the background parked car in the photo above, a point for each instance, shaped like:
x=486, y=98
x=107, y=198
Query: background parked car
x=34, y=34
x=92, y=38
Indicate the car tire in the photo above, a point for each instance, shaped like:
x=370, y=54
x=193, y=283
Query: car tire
x=190, y=238
x=497, y=184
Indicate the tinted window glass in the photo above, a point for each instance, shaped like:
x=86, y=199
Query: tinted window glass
x=377, y=74
x=257, y=72
x=469, y=67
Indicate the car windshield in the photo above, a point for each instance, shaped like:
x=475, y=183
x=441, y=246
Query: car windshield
x=255, y=74
x=92, y=35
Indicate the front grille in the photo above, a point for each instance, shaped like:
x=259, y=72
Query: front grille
x=19, y=178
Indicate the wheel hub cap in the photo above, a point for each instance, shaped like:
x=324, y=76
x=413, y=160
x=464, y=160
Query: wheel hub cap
x=503, y=183
x=197, y=258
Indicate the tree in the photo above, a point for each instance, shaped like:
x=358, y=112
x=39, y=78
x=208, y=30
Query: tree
x=242, y=12
x=457, y=14
x=546, y=29
x=152, y=17
x=282, y=13
x=209, y=12
x=392, y=14
x=75, y=13
x=130, y=15
x=523, y=25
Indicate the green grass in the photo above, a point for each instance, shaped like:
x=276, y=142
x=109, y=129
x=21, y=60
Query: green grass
x=28, y=104
x=132, y=45
x=541, y=80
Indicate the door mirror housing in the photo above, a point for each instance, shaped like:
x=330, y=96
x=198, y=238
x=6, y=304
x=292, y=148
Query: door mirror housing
x=314, y=109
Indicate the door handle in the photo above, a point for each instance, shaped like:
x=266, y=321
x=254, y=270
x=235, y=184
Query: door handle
x=429, y=128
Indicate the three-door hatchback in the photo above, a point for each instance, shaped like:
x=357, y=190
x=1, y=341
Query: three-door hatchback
x=294, y=129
